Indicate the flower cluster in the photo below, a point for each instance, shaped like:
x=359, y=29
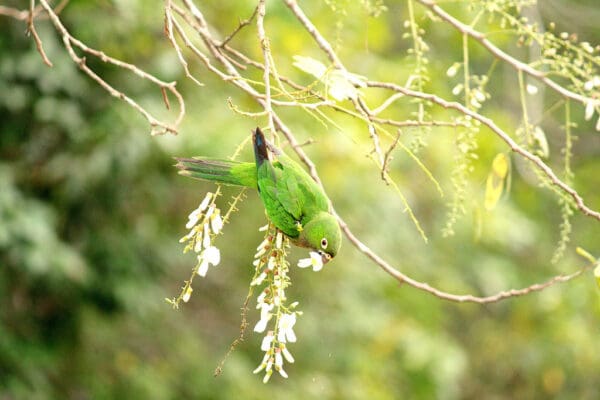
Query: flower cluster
x=204, y=223
x=271, y=271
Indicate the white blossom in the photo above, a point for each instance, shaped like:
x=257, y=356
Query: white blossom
x=263, y=228
x=315, y=261
x=587, y=47
x=193, y=218
x=278, y=240
x=589, y=110
x=262, y=244
x=532, y=89
x=267, y=340
x=259, y=279
x=478, y=94
x=286, y=354
x=265, y=316
x=263, y=363
x=457, y=89
x=203, y=268
x=210, y=255
x=286, y=331
x=262, y=248
x=216, y=223
x=260, y=253
x=210, y=211
x=268, y=373
x=213, y=255
x=453, y=70
x=206, y=237
x=187, y=294
x=279, y=364
x=188, y=236
x=205, y=202
x=261, y=299
x=198, y=245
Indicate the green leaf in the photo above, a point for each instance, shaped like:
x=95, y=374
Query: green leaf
x=310, y=66
x=495, y=181
x=340, y=84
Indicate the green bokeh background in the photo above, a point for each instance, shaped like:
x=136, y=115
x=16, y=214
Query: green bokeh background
x=91, y=211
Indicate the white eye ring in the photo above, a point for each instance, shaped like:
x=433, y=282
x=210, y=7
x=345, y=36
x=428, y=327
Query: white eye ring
x=324, y=243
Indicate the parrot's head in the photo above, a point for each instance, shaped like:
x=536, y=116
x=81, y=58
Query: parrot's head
x=322, y=234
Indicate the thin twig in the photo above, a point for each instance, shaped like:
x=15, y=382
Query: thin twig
x=388, y=157
x=232, y=75
x=518, y=65
x=501, y=134
x=264, y=44
x=36, y=37
x=314, y=32
x=403, y=278
x=21, y=15
x=69, y=41
x=240, y=26
x=171, y=37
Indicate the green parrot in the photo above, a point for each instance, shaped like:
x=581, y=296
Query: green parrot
x=294, y=202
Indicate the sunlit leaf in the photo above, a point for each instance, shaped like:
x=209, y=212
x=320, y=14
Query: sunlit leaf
x=341, y=85
x=310, y=66
x=495, y=181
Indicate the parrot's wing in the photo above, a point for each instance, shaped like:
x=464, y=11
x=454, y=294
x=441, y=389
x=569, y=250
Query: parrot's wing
x=281, y=207
x=307, y=194
x=289, y=193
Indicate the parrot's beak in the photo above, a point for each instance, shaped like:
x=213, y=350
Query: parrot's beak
x=325, y=257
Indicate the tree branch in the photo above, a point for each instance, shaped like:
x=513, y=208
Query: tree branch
x=221, y=55
x=497, y=52
x=512, y=144
x=69, y=41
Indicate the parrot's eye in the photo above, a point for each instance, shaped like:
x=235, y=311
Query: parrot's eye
x=324, y=243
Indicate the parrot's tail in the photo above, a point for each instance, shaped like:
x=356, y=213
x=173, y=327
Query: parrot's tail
x=221, y=171
x=260, y=147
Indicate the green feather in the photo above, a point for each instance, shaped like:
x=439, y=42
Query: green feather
x=294, y=202
x=222, y=171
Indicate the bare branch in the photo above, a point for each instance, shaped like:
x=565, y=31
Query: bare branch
x=222, y=52
x=314, y=32
x=36, y=37
x=69, y=41
x=402, y=278
x=264, y=44
x=21, y=15
x=171, y=37
x=388, y=157
x=512, y=144
x=240, y=26
x=518, y=65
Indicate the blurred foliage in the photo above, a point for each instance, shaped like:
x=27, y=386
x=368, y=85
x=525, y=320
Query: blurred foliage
x=91, y=211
